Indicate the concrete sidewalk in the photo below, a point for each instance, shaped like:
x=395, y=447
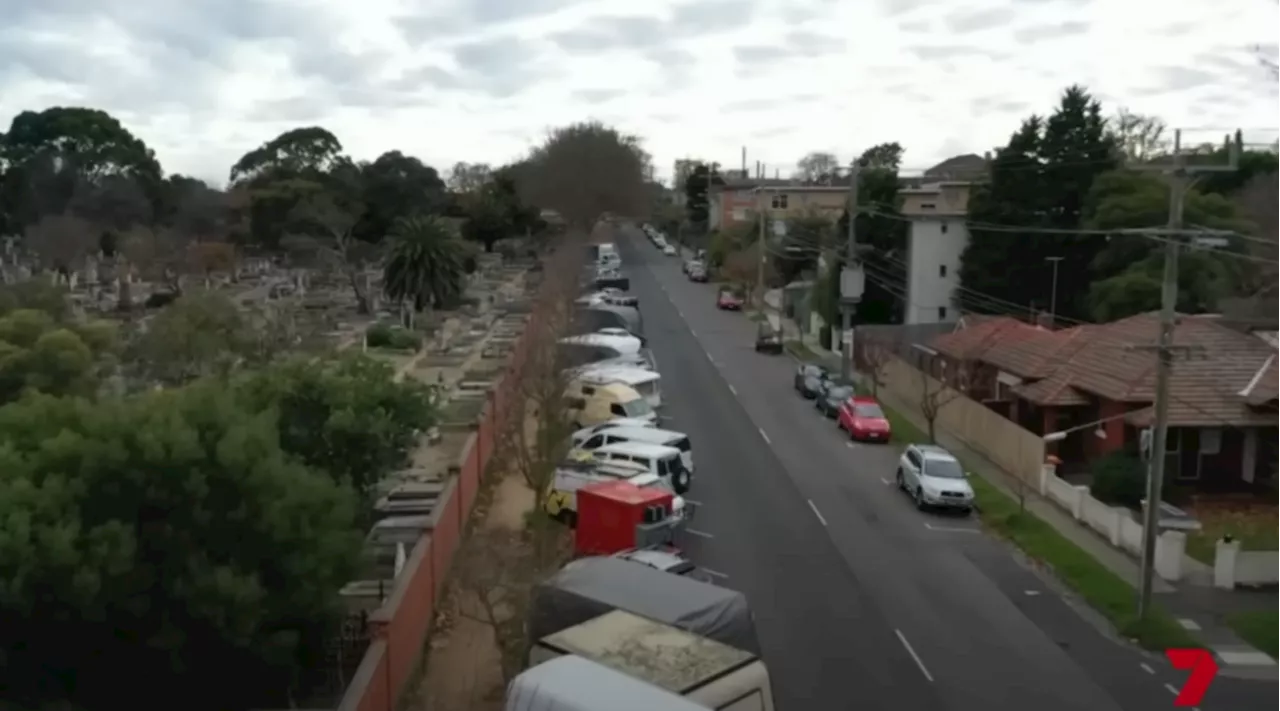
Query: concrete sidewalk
x=1198, y=608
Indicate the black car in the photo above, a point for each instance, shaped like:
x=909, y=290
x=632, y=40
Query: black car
x=768, y=339
x=809, y=379
x=832, y=397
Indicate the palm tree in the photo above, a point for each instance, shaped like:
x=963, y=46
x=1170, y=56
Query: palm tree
x=427, y=263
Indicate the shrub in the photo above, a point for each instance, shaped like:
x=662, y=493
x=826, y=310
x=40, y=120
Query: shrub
x=382, y=335
x=1119, y=479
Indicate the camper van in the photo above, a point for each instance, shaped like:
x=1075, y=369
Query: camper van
x=593, y=439
x=642, y=380
x=701, y=670
x=594, y=347
x=592, y=404
x=666, y=462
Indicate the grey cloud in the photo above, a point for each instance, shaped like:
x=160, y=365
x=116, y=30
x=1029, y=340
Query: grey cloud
x=930, y=53
x=596, y=96
x=500, y=66
x=693, y=19
x=799, y=43
x=976, y=21
x=772, y=132
x=1183, y=78
x=997, y=104
x=1037, y=33
x=463, y=16
x=915, y=26
x=814, y=44
x=707, y=16
x=894, y=8
x=1178, y=28
x=760, y=54
x=746, y=105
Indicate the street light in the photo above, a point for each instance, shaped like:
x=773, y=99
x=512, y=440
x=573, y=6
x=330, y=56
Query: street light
x=1097, y=432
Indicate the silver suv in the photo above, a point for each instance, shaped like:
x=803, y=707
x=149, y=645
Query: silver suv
x=934, y=478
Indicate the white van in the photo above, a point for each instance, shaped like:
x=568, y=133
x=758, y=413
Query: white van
x=571, y=683
x=642, y=380
x=666, y=462
x=604, y=436
x=582, y=434
x=701, y=670
x=562, y=497
x=624, y=345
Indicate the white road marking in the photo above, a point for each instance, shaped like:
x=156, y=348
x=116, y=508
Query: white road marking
x=713, y=360
x=923, y=670
x=885, y=481
x=688, y=500
x=1188, y=624
x=733, y=390
x=1146, y=668
x=1172, y=689
x=949, y=529
x=700, y=534
x=817, y=513
x=766, y=437
x=693, y=332
x=1030, y=593
x=851, y=445
x=714, y=573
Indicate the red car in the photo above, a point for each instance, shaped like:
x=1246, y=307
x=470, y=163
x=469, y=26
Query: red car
x=863, y=419
x=729, y=301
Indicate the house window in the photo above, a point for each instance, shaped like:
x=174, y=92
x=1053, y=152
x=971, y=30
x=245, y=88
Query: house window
x=779, y=201
x=927, y=206
x=1210, y=442
x=942, y=271
x=1173, y=457
x=942, y=313
x=944, y=229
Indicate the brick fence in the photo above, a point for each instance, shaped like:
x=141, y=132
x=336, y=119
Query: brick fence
x=398, y=629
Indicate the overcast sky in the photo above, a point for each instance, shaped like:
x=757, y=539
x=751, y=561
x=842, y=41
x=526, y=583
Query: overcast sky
x=203, y=81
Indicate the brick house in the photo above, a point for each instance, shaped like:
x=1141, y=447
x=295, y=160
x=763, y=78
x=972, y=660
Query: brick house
x=1222, y=413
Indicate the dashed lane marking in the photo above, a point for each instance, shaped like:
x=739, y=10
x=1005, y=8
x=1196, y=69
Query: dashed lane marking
x=733, y=390
x=1146, y=668
x=1172, y=689
x=817, y=513
x=851, y=445
x=766, y=438
x=923, y=669
x=699, y=534
x=714, y=573
x=949, y=529
x=885, y=481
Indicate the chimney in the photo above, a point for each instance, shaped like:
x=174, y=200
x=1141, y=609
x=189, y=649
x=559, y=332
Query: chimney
x=744, y=160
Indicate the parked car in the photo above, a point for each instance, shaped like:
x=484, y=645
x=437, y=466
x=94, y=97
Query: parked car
x=808, y=380
x=668, y=560
x=698, y=274
x=669, y=250
x=832, y=397
x=728, y=300
x=863, y=419
x=934, y=478
x=768, y=339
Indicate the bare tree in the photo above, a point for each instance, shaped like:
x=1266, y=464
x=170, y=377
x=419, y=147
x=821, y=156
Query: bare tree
x=157, y=253
x=1139, y=137
x=949, y=383
x=585, y=170
x=468, y=178
x=875, y=356
x=61, y=242
x=332, y=222
x=818, y=166
x=496, y=574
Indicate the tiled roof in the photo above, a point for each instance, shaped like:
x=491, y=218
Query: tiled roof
x=1213, y=365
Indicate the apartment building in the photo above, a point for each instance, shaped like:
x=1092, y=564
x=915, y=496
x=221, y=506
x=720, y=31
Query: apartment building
x=739, y=201
x=937, y=237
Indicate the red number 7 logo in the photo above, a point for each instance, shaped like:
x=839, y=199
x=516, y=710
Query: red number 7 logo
x=1203, y=668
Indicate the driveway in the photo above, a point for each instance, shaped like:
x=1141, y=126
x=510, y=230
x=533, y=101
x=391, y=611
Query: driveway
x=861, y=601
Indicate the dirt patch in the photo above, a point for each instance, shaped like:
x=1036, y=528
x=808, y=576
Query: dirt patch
x=463, y=665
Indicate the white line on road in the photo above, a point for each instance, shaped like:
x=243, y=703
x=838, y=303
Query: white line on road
x=733, y=390
x=1172, y=689
x=817, y=513
x=693, y=332
x=1146, y=668
x=700, y=534
x=766, y=437
x=714, y=573
x=885, y=481
x=692, y=502
x=851, y=445
x=923, y=670
x=713, y=360
x=949, y=529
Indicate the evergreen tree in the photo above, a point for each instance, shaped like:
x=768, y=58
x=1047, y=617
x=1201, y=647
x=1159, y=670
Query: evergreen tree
x=1041, y=179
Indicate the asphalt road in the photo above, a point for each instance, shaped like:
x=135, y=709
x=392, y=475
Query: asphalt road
x=861, y=601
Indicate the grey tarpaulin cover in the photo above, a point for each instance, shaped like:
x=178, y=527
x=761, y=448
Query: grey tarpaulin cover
x=589, y=587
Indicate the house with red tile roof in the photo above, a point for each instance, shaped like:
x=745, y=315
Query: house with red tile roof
x=1097, y=383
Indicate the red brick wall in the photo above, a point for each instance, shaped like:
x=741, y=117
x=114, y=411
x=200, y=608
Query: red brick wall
x=400, y=627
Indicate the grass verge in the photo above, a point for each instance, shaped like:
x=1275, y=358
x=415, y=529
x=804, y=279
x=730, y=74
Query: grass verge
x=1259, y=628
x=801, y=351
x=1105, y=591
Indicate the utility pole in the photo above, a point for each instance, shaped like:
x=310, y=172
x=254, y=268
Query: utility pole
x=761, y=243
x=848, y=311
x=1181, y=176
x=1053, y=292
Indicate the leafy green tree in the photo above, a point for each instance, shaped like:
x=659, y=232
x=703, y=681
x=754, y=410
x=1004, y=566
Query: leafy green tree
x=881, y=229
x=697, y=188
x=200, y=334
x=1129, y=269
x=427, y=263
x=348, y=417
x=37, y=353
x=158, y=544
x=395, y=186
x=280, y=174
x=584, y=170
x=1040, y=180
